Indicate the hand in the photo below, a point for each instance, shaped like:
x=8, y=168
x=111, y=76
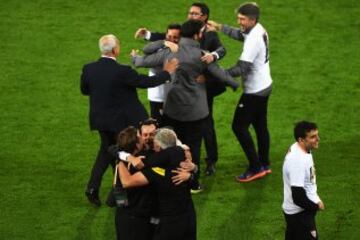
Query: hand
x=134, y=52
x=187, y=166
x=201, y=79
x=321, y=205
x=213, y=26
x=181, y=176
x=173, y=46
x=188, y=156
x=171, y=65
x=137, y=162
x=140, y=33
x=208, y=58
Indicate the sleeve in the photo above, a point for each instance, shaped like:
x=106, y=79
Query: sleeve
x=154, y=36
x=241, y=68
x=234, y=33
x=84, y=86
x=153, y=47
x=152, y=60
x=222, y=75
x=300, y=199
x=132, y=78
x=215, y=46
x=150, y=175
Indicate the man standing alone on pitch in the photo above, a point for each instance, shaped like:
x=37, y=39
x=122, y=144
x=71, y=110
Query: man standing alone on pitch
x=253, y=66
x=114, y=103
x=301, y=201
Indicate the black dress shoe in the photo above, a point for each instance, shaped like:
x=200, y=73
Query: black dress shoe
x=93, y=197
x=210, y=170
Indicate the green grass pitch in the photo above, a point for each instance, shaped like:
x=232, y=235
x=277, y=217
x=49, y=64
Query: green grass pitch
x=47, y=150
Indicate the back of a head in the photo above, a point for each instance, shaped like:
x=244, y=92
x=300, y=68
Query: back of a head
x=302, y=128
x=190, y=28
x=127, y=139
x=107, y=43
x=166, y=138
x=250, y=9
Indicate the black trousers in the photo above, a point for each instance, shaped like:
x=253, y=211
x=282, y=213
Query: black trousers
x=156, y=109
x=129, y=227
x=209, y=135
x=189, y=133
x=301, y=226
x=103, y=159
x=180, y=227
x=252, y=110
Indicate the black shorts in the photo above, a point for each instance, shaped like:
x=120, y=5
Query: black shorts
x=301, y=226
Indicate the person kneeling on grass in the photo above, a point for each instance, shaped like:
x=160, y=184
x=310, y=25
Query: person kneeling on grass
x=175, y=206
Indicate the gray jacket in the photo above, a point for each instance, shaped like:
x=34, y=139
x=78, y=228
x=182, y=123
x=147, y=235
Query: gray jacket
x=186, y=98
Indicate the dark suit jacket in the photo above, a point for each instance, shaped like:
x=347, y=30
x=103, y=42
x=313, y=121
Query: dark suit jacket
x=114, y=103
x=209, y=42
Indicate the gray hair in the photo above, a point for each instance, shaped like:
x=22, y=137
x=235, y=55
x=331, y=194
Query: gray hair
x=107, y=43
x=165, y=138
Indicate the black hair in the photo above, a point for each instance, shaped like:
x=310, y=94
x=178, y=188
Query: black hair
x=302, y=128
x=149, y=121
x=250, y=10
x=190, y=28
x=204, y=9
x=174, y=26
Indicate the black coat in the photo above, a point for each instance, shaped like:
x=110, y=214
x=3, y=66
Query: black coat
x=114, y=103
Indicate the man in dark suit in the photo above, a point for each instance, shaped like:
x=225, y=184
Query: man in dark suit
x=114, y=103
x=214, y=51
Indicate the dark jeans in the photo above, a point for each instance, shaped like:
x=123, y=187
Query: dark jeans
x=189, y=133
x=252, y=110
x=103, y=160
x=156, y=110
x=301, y=226
x=209, y=135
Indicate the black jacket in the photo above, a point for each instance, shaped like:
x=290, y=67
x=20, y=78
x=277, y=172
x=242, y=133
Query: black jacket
x=114, y=103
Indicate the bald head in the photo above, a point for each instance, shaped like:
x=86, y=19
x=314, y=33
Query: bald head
x=109, y=45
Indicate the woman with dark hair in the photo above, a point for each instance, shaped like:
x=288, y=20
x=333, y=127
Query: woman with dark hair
x=134, y=206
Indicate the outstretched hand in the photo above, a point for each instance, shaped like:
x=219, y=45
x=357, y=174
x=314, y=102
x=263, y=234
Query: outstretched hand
x=213, y=26
x=134, y=52
x=140, y=33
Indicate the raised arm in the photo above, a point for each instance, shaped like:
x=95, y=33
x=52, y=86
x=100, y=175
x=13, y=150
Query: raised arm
x=152, y=60
x=132, y=78
x=153, y=47
x=232, y=32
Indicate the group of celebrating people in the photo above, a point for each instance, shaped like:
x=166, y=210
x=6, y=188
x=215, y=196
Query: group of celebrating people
x=157, y=169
